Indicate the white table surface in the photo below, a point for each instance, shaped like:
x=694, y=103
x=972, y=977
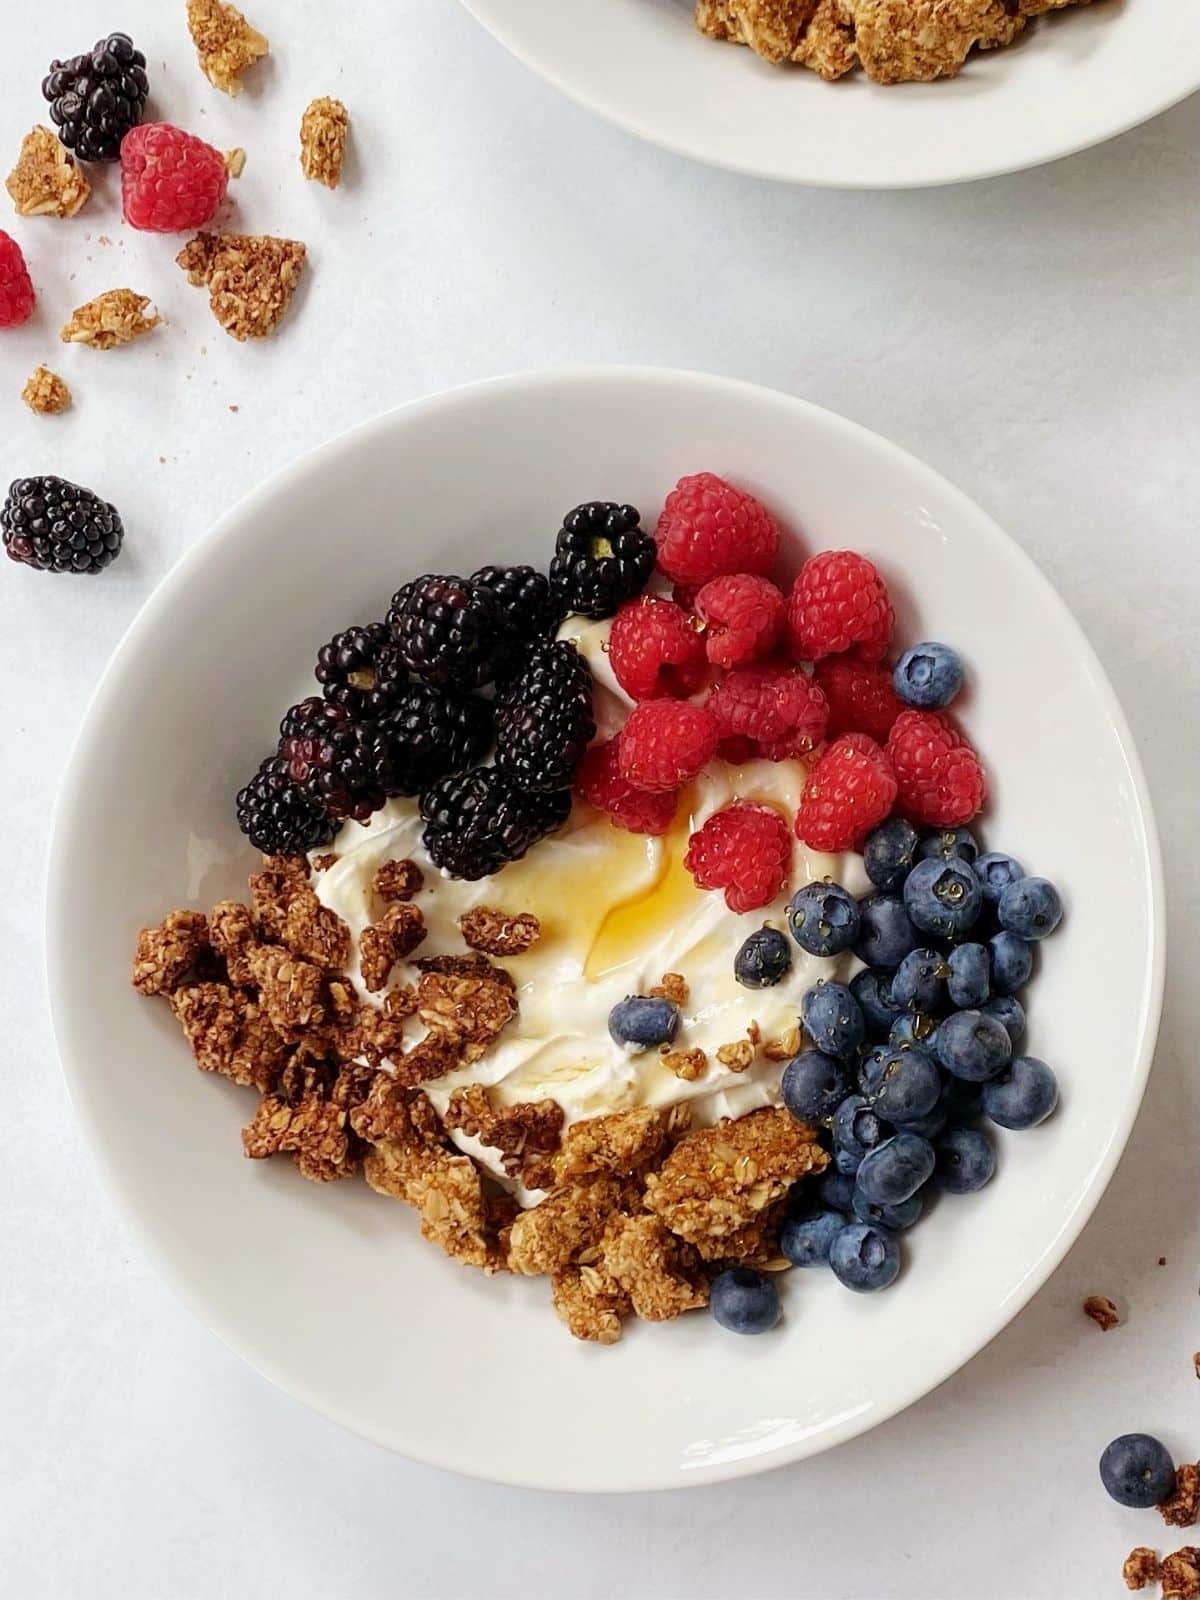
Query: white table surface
x=1033, y=337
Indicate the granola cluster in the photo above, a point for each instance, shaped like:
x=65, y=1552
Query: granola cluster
x=226, y=44
x=116, y=317
x=250, y=278
x=1178, y=1573
x=46, y=181
x=45, y=393
x=323, y=132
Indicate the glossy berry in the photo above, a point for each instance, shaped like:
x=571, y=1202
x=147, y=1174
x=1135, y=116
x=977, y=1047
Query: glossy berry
x=655, y=649
x=951, y=844
x=448, y=630
x=709, y=528
x=873, y=991
x=865, y=1257
x=599, y=781
x=823, y=919
x=171, y=182
x=1011, y=962
x=1137, y=1471
x=744, y=1301
x=886, y=933
x=640, y=1023
x=813, y=1085
x=343, y=764
x=1024, y=1094
x=95, y=99
x=920, y=980
x=890, y=853
x=476, y=822
x=902, y=1085
x=544, y=720
x=969, y=982
x=965, y=1160
x=914, y=1027
x=602, y=557
x=665, y=744
x=742, y=613
x=432, y=732
x=849, y=791
x=973, y=1046
x=905, y=1214
x=856, y=1127
x=995, y=872
x=1009, y=1013
x=928, y=676
x=860, y=695
x=895, y=1169
x=926, y=1127
x=939, y=778
x=350, y=669
x=780, y=710
x=763, y=960
x=528, y=606
x=1030, y=908
x=833, y=1020
x=835, y=1190
x=943, y=898
x=17, y=297
x=839, y=602
x=745, y=850
x=277, y=816
x=58, y=526
x=806, y=1241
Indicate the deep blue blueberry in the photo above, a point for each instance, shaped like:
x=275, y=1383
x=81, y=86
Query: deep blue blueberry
x=902, y=1085
x=995, y=872
x=966, y=1160
x=886, y=934
x=926, y=1127
x=814, y=1085
x=952, y=844
x=960, y=1098
x=920, y=981
x=928, y=676
x=895, y=1218
x=873, y=991
x=1012, y=962
x=1010, y=1013
x=856, y=1128
x=889, y=853
x=833, y=1019
x=1030, y=908
x=972, y=1045
x=895, y=1169
x=1023, y=1095
x=914, y=1028
x=970, y=980
x=638, y=1023
x=835, y=1190
x=847, y=1161
x=943, y=897
x=1137, y=1471
x=865, y=1257
x=805, y=1241
x=823, y=919
x=764, y=959
x=744, y=1301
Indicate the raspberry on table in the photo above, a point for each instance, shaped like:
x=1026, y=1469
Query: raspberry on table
x=171, y=182
x=850, y=790
x=709, y=528
x=780, y=709
x=600, y=783
x=602, y=557
x=655, y=649
x=861, y=696
x=95, y=99
x=940, y=780
x=746, y=850
x=57, y=526
x=17, y=295
x=665, y=743
x=839, y=602
x=743, y=615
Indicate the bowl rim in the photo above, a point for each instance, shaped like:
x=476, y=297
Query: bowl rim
x=237, y=523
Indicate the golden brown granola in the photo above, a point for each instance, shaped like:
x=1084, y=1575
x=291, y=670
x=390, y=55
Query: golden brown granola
x=686, y=1064
x=396, y=935
x=45, y=393
x=673, y=987
x=785, y=1046
x=1180, y=1509
x=116, y=317
x=225, y=43
x=526, y=1134
x=272, y=890
x=229, y=1034
x=1179, y=1574
x=233, y=935
x=827, y=46
x=620, y=1144
x=771, y=28
x=314, y=1132
x=1102, y=1311
x=323, y=130
x=291, y=991
x=468, y=1011
x=46, y=181
x=250, y=278
x=167, y=954
x=737, y=1056
x=569, y=1220
x=431, y=1057
x=322, y=863
x=1140, y=1568
x=235, y=165
x=498, y=934
x=590, y=1302
x=315, y=932
x=661, y=1274
x=397, y=880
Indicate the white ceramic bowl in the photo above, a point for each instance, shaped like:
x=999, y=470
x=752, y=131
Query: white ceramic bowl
x=329, y=1290
x=1072, y=81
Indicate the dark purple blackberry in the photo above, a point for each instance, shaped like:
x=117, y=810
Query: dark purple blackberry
x=96, y=99
x=277, y=816
x=432, y=733
x=56, y=526
x=476, y=823
x=359, y=669
x=602, y=558
x=341, y=763
x=447, y=630
x=525, y=598
x=544, y=718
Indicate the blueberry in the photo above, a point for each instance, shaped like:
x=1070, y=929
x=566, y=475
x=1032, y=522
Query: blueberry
x=814, y=1085
x=995, y=872
x=833, y=1019
x=902, y=1085
x=1137, y=1471
x=744, y=1301
x=952, y=844
x=764, y=959
x=943, y=897
x=889, y=853
x=805, y=1241
x=914, y=1028
x=1030, y=908
x=970, y=980
x=823, y=919
x=1023, y=1095
x=865, y=1257
x=847, y=1161
x=895, y=1169
x=920, y=980
x=965, y=1160
x=873, y=991
x=973, y=1045
x=1010, y=1014
x=886, y=934
x=927, y=1127
x=638, y=1023
x=894, y=1218
x=856, y=1128
x=928, y=676
x=960, y=1100
x=1012, y=962
x=835, y=1190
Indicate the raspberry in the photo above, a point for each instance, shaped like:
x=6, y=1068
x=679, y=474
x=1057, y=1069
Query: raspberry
x=779, y=708
x=171, y=182
x=655, y=650
x=708, y=528
x=861, y=697
x=839, y=602
x=849, y=791
x=743, y=615
x=16, y=291
x=599, y=781
x=665, y=743
x=940, y=779
x=745, y=850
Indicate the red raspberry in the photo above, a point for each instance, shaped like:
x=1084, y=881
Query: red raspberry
x=745, y=850
x=16, y=291
x=743, y=616
x=708, y=527
x=171, y=181
x=839, y=602
x=599, y=781
x=850, y=791
x=655, y=649
x=665, y=743
x=940, y=778
x=861, y=697
x=780, y=708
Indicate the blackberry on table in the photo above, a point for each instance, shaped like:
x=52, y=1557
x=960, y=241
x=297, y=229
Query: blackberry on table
x=449, y=630
x=341, y=763
x=529, y=607
x=276, y=814
x=477, y=822
x=95, y=99
x=58, y=526
x=432, y=733
x=544, y=720
x=359, y=669
x=602, y=557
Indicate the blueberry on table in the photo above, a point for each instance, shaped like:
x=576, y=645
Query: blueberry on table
x=1012, y=962
x=895, y=1169
x=965, y=1160
x=835, y=1190
x=856, y=1127
x=873, y=991
x=833, y=1019
x=814, y=1085
x=889, y=853
x=1010, y=1014
x=914, y=1027
x=919, y=981
x=902, y=1085
x=973, y=1045
x=823, y=919
x=894, y=1218
x=1023, y=1095
x=970, y=978
x=886, y=935
x=951, y=844
x=995, y=872
x=640, y=1023
x=943, y=897
x=744, y=1301
x=806, y=1241
x=865, y=1257
x=1137, y=1471
x=928, y=676
x=764, y=959
x=1031, y=908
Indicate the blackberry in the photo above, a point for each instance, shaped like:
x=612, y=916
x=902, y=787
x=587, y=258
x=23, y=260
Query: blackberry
x=277, y=816
x=602, y=557
x=96, y=99
x=432, y=733
x=476, y=823
x=358, y=669
x=341, y=763
x=529, y=607
x=544, y=720
x=56, y=526
x=448, y=630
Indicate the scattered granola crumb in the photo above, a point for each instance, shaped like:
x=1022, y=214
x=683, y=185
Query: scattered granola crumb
x=45, y=393
x=320, y=863
x=235, y=162
x=250, y=278
x=323, y=131
x=167, y=954
x=1140, y=1568
x=114, y=318
x=397, y=880
x=396, y=935
x=102, y=238
x=322, y=858
x=673, y=987
x=1179, y=1574
x=736, y=1056
x=1180, y=1509
x=225, y=43
x=686, y=1064
x=496, y=933
x=1162, y=1261
x=46, y=181
x=785, y=1047
x=1102, y=1311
